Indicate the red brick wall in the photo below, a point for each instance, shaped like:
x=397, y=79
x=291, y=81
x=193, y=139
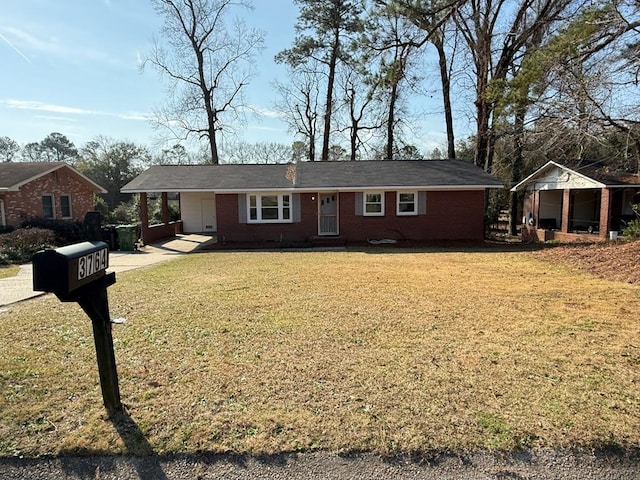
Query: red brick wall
x=450, y=216
x=27, y=202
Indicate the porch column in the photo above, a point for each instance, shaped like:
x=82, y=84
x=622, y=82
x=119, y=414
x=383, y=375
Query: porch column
x=165, y=208
x=605, y=213
x=144, y=218
x=566, y=201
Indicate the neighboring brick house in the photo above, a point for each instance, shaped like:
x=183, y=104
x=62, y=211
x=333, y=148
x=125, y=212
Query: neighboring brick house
x=419, y=200
x=45, y=190
x=589, y=203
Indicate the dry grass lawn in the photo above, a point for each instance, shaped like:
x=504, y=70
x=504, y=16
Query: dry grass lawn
x=377, y=350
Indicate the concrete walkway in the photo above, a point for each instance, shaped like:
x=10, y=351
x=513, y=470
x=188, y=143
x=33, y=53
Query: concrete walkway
x=20, y=287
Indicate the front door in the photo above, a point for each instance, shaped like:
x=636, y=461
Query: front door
x=328, y=213
x=208, y=209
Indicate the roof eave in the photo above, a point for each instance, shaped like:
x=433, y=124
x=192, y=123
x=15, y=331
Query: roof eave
x=315, y=189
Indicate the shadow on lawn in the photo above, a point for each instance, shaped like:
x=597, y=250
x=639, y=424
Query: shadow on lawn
x=139, y=455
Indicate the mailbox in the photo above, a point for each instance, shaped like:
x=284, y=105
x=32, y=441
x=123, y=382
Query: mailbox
x=64, y=270
x=77, y=274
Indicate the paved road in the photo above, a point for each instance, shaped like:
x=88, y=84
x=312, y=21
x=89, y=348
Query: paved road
x=537, y=464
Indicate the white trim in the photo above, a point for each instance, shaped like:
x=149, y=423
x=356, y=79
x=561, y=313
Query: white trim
x=365, y=203
x=537, y=173
x=415, y=203
x=281, y=207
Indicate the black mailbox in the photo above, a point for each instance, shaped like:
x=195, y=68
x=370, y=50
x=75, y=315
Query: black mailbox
x=77, y=274
x=66, y=269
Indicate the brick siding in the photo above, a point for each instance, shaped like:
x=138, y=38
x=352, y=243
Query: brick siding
x=455, y=215
x=27, y=202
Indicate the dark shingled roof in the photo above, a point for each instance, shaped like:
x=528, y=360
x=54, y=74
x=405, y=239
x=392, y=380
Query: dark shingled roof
x=15, y=174
x=313, y=176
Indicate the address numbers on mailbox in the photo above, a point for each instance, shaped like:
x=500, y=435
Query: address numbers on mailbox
x=93, y=262
x=64, y=270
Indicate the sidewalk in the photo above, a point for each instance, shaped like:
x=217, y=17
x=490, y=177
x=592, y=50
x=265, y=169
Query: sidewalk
x=20, y=287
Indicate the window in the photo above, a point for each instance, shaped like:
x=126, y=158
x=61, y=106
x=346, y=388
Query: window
x=65, y=206
x=407, y=203
x=47, y=206
x=374, y=203
x=269, y=208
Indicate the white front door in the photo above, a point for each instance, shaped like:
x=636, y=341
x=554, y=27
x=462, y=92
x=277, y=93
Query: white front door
x=208, y=209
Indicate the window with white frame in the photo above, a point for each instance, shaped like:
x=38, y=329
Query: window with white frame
x=373, y=204
x=48, y=206
x=65, y=206
x=269, y=208
x=407, y=203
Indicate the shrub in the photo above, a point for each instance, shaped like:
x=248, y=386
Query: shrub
x=632, y=230
x=20, y=245
x=66, y=231
x=124, y=214
x=6, y=229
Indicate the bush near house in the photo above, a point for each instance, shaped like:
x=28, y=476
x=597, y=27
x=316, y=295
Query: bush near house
x=65, y=232
x=20, y=245
x=632, y=229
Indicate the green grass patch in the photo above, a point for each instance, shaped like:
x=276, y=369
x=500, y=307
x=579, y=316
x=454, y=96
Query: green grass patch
x=384, y=351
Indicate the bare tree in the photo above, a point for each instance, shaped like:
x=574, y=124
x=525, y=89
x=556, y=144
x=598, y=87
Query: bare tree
x=496, y=33
x=208, y=60
x=324, y=30
x=9, y=148
x=259, y=152
x=298, y=103
x=433, y=17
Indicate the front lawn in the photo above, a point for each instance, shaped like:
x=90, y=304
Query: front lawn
x=386, y=351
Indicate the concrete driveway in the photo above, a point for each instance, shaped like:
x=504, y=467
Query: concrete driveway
x=19, y=288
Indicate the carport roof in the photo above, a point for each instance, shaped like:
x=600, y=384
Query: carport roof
x=314, y=176
x=598, y=175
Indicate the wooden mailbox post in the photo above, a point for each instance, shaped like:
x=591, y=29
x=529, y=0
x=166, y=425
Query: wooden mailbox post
x=77, y=273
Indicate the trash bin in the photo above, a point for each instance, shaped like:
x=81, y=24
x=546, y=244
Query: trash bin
x=110, y=237
x=127, y=237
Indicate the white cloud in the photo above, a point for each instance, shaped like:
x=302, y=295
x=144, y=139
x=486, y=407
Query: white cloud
x=63, y=109
x=265, y=112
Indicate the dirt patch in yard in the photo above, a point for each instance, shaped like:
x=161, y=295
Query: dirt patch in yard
x=612, y=260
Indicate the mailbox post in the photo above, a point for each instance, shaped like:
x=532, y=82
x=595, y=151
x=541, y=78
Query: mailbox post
x=77, y=273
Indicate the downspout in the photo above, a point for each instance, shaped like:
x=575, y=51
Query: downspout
x=3, y=220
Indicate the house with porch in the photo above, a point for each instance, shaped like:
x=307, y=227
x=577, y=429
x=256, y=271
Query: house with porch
x=419, y=200
x=53, y=190
x=576, y=205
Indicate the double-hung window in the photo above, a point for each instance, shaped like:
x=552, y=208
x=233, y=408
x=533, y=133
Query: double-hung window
x=269, y=208
x=407, y=203
x=65, y=206
x=48, y=210
x=373, y=204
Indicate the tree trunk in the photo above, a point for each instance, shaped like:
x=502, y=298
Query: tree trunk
x=329, y=103
x=391, y=118
x=516, y=167
x=446, y=96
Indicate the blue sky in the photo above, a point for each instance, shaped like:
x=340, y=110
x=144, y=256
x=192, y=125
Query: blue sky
x=72, y=66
